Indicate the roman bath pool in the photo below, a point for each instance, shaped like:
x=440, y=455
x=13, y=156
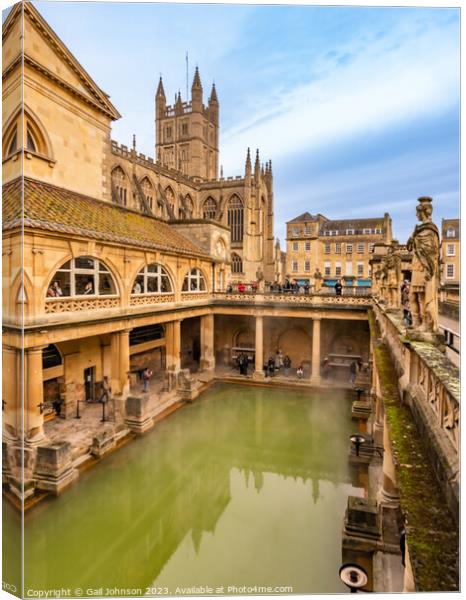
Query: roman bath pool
x=245, y=487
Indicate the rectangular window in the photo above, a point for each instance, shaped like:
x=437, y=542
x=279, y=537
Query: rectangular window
x=308, y=246
x=295, y=231
x=367, y=231
x=349, y=268
x=295, y=246
x=349, y=248
x=307, y=265
x=334, y=232
x=338, y=248
x=360, y=269
x=350, y=232
x=326, y=232
x=338, y=269
x=327, y=248
x=360, y=248
x=184, y=129
x=451, y=233
x=294, y=266
x=326, y=268
x=378, y=230
x=450, y=271
x=371, y=248
x=168, y=132
x=450, y=249
x=307, y=230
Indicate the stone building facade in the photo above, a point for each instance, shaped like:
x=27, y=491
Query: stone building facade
x=450, y=251
x=339, y=249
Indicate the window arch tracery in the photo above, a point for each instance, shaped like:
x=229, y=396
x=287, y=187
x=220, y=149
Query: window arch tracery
x=236, y=263
x=120, y=186
x=23, y=131
x=148, y=191
x=82, y=276
x=209, y=208
x=235, y=218
x=152, y=279
x=194, y=281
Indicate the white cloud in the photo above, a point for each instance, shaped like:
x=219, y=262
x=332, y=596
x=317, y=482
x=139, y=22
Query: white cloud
x=378, y=84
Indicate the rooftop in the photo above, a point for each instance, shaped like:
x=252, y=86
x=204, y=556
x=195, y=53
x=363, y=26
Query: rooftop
x=52, y=208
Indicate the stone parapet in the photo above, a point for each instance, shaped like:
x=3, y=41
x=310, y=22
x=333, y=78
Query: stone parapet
x=138, y=417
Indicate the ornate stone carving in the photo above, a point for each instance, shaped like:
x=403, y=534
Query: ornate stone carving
x=143, y=299
x=61, y=305
x=425, y=245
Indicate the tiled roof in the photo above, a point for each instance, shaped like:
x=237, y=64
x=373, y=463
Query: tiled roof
x=55, y=209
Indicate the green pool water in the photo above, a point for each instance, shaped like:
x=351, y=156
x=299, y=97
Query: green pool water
x=245, y=487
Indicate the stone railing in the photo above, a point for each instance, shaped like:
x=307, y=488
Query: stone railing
x=295, y=299
x=61, y=305
x=429, y=383
x=450, y=294
x=147, y=299
x=188, y=296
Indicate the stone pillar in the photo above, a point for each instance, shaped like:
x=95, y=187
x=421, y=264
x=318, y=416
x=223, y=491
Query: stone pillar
x=259, y=356
x=388, y=496
x=123, y=362
x=315, y=362
x=11, y=367
x=207, y=344
x=173, y=346
x=34, y=396
x=114, y=356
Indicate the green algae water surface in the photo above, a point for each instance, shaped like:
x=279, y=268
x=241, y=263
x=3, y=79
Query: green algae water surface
x=244, y=489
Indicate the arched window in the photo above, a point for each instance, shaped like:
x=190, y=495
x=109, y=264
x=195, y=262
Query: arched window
x=51, y=357
x=24, y=132
x=119, y=186
x=236, y=263
x=194, y=281
x=209, y=210
x=170, y=196
x=235, y=218
x=148, y=191
x=152, y=279
x=82, y=276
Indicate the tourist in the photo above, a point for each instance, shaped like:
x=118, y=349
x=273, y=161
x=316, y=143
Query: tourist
x=89, y=288
x=137, y=289
x=254, y=287
x=278, y=360
x=271, y=366
x=306, y=288
x=353, y=371
x=229, y=289
x=146, y=377
x=241, y=288
x=105, y=390
x=338, y=287
x=286, y=365
x=50, y=292
x=300, y=371
x=326, y=367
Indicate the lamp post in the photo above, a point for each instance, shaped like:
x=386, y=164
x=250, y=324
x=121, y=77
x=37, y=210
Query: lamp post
x=357, y=439
x=353, y=576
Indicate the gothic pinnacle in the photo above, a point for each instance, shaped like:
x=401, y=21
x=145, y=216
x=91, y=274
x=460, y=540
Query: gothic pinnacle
x=257, y=165
x=134, y=141
x=160, y=90
x=197, y=80
x=213, y=95
x=248, y=161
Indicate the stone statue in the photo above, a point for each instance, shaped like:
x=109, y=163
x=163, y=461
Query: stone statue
x=425, y=245
x=376, y=275
x=317, y=280
x=260, y=280
x=393, y=276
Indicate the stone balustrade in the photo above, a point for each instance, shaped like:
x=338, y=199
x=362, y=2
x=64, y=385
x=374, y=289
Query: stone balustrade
x=429, y=383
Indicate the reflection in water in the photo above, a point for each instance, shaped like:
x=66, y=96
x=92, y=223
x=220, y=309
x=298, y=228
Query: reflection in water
x=247, y=486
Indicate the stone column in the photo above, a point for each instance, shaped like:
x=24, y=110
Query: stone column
x=207, y=343
x=11, y=367
x=123, y=361
x=34, y=396
x=114, y=357
x=315, y=362
x=388, y=495
x=259, y=358
x=173, y=345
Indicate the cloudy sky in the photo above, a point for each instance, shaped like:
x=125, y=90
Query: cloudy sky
x=357, y=107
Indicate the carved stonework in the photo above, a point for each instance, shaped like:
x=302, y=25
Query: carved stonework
x=423, y=295
x=144, y=299
x=77, y=304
